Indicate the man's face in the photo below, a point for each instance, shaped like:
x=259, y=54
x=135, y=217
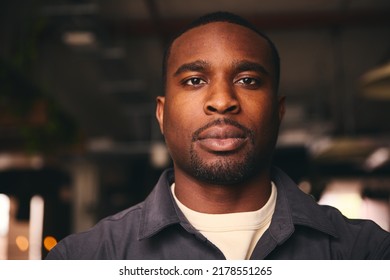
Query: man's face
x=220, y=114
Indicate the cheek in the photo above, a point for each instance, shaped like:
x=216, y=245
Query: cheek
x=263, y=118
x=182, y=114
x=178, y=128
x=260, y=111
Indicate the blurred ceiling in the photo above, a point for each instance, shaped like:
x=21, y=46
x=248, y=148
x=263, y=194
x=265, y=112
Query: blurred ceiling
x=101, y=61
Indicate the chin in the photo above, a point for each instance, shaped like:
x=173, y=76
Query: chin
x=224, y=171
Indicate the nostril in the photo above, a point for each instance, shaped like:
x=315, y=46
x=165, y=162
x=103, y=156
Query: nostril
x=221, y=102
x=211, y=109
x=232, y=108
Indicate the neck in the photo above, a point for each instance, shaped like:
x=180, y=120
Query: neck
x=211, y=198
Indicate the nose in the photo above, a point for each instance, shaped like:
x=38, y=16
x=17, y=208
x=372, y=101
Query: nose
x=221, y=99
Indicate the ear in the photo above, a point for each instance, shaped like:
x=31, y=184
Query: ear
x=282, y=107
x=160, y=112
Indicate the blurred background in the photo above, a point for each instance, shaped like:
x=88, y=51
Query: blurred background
x=78, y=81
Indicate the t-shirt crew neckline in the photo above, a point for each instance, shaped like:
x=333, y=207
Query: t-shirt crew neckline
x=235, y=234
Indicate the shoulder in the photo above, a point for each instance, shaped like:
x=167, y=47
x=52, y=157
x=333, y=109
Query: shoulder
x=366, y=239
x=121, y=235
x=101, y=241
x=326, y=226
x=359, y=226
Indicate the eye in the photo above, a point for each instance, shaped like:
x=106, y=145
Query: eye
x=194, y=82
x=248, y=81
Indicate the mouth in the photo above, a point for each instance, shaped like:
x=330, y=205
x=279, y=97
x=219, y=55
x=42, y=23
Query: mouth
x=222, y=145
x=222, y=136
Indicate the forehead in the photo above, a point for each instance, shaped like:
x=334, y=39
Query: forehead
x=221, y=41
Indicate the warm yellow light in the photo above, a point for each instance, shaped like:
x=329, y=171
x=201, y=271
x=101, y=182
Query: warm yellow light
x=79, y=38
x=22, y=243
x=376, y=82
x=49, y=242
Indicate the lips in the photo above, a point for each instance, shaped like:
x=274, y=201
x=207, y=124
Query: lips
x=222, y=138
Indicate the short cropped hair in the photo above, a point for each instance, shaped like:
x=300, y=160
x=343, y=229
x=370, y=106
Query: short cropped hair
x=223, y=17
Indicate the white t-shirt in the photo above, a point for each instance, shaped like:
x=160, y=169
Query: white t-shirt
x=235, y=234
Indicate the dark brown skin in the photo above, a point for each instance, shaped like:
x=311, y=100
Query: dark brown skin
x=221, y=105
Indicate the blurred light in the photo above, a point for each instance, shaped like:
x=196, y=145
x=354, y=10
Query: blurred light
x=8, y=161
x=36, y=162
x=344, y=195
x=320, y=146
x=101, y=144
x=159, y=155
x=79, y=38
x=4, y=214
x=22, y=243
x=376, y=83
x=348, y=203
x=36, y=227
x=49, y=242
x=378, y=211
x=377, y=158
x=4, y=225
x=291, y=137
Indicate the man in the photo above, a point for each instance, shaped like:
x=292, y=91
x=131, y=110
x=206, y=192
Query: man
x=220, y=118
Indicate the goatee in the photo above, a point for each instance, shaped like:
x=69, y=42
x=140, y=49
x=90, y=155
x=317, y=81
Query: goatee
x=223, y=171
x=227, y=169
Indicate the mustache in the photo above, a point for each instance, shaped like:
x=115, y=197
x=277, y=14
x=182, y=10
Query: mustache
x=248, y=132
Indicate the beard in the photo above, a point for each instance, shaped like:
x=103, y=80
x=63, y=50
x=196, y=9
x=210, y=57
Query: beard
x=227, y=168
x=223, y=171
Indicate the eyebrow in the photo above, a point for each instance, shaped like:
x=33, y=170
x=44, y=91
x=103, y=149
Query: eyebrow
x=196, y=66
x=239, y=66
x=245, y=65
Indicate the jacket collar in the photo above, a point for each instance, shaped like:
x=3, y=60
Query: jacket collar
x=159, y=209
x=293, y=207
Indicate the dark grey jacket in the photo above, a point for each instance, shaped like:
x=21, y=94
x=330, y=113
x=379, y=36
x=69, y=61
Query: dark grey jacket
x=156, y=229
